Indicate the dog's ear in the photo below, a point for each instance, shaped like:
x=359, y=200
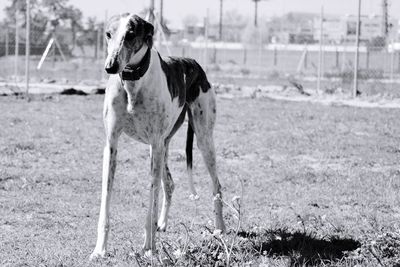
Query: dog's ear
x=144, y=29
x=148, y=33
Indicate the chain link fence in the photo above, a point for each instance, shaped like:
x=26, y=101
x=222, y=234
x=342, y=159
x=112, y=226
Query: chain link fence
x=56, y=56
x=274, y=60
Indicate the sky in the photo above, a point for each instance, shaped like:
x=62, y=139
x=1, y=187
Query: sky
x=175, y=10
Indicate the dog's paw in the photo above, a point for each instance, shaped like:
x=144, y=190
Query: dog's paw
x=217, y=233
x=150, y=254
x=130, y=109
x=161, y=227
x=97, y=255
x=220, y=226
x=194, y=197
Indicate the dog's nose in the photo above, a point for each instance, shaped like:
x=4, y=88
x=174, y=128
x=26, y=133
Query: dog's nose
x=112, y=67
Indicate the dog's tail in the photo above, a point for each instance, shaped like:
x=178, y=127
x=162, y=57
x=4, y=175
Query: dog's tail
x=189, y=160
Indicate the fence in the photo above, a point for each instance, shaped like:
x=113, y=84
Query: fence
x=300, y=61
x=70, y=61
x=67, y=61
x=280, y=63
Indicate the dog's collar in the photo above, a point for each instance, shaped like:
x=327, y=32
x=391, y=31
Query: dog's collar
x=135, y=72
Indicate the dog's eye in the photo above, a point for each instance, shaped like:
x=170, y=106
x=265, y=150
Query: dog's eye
x=129, y=36
x=108, y=35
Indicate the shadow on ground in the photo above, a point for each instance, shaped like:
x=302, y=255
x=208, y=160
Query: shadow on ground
x=301, y=248
x=292, y=248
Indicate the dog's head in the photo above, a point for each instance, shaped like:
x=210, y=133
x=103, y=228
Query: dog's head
x=126, y=36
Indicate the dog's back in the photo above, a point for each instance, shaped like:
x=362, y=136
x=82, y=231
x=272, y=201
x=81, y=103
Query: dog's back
x=185, y=78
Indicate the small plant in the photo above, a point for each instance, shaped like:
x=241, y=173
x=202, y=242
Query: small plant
x=229, y=243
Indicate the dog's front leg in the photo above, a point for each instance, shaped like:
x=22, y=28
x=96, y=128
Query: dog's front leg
x=109, y=165
x=157, y=165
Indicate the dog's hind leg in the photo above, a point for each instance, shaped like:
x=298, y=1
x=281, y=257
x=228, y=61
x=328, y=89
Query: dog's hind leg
x=167, y=182
x=189, y=161
x=206, y=146
x=202, y=116
x=168, y=188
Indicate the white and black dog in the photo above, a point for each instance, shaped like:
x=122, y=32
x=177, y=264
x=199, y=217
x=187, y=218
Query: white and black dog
x=147, y=98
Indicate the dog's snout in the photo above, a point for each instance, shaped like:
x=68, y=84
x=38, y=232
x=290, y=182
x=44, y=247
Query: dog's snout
x=112, y=67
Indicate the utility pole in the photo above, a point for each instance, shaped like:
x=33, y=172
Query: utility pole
x=16, y=51
x=7, y=42
x=320, y=55
x=27, y=46
x=206, y=26
x=355, y=89
x=385, y=19
x=161, y=12
x=103, y=73
x=255, y=12
x=151, y=12
x=221, y=5
x=99, y=34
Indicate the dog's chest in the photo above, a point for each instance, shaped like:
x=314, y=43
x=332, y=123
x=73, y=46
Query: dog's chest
x=152, y=117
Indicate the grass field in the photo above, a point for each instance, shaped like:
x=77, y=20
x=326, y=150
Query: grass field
x=317, y=181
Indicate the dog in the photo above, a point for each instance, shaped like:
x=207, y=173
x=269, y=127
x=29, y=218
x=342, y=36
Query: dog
x=147, y=98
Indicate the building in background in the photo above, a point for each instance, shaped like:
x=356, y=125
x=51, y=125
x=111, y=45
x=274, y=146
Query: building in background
x=343, y=30
x=194, y=32
x=298, y=28
x=292, y=28
x=305, y=28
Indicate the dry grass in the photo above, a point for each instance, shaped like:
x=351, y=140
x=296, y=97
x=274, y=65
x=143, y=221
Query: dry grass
x=317, y=181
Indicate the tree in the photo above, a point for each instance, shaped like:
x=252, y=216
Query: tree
x=252, y=35
x=64, y=16
x=88, y=35
x=38, y=19
x=221, y=6
x=256, y=12
x=235, y=23
x=46, y=15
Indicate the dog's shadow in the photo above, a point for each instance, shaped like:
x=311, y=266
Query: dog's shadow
x=300, y=247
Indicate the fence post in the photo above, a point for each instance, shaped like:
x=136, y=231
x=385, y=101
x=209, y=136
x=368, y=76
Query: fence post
x=392, y=63
x=16, y=52
x=207, y=22
x=355, y=89
x=97, y=45
x=320, y=57
x=214, y=60
x=7, y=43
x=27, y=47
x=337, y=58
x=306, y=59
x=103, y=73
x=275, y=56
x=244, y=55
x=260, y=51
x=344, y=58
x=398, y=62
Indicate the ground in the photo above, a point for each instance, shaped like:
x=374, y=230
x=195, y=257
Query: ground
x=317, y=181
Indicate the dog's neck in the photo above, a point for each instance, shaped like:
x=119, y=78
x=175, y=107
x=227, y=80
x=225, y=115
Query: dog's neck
x=133, y=75
x=138, y=68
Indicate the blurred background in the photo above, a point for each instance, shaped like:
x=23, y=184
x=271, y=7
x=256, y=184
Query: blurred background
x=309, y=44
